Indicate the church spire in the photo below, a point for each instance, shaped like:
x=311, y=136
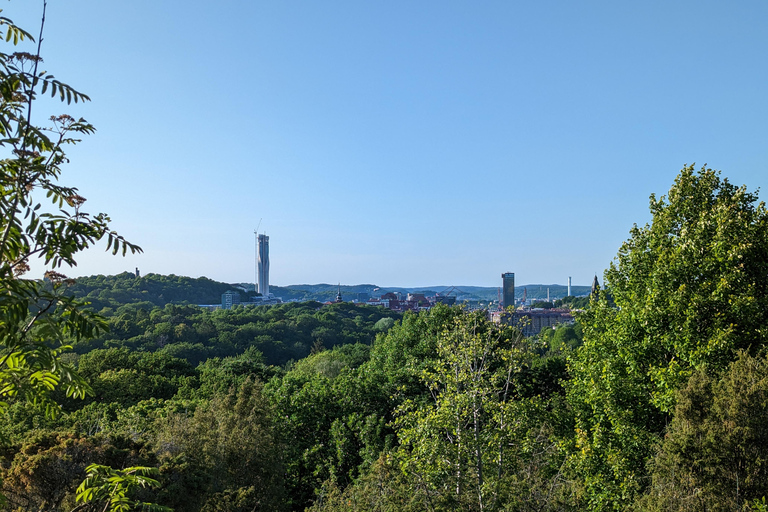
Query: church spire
x=338, y=295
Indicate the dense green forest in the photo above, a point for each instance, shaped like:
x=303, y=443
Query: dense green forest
x=280, y=333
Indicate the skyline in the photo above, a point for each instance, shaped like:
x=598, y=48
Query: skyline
x=399, y=144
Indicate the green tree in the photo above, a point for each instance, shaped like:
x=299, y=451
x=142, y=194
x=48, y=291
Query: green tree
x=465, y=450
x=105, y=488
x=384, y=324
x=225, y=451
x=564, y=338
x=715, y=453
x=37, y=317
x=384, y=488
x=475, y=419
x=689, y=291
x=43, y=472
x=332, y=420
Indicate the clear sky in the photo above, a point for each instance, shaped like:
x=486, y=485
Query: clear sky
x=399, y=143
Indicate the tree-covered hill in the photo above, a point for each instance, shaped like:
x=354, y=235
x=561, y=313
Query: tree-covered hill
x=114, y=291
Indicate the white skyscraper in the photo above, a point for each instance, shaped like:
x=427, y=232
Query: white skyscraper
x=263, y=265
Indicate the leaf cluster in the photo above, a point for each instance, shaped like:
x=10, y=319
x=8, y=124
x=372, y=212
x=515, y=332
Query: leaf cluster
x=106, y=488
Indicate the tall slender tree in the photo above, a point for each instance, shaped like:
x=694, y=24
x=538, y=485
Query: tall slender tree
x=458, y=447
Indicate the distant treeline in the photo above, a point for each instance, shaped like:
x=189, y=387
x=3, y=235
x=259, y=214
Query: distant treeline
x=469, y=293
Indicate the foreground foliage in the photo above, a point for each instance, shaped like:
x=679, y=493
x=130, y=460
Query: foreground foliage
x=715, y=453
x=474, y=426
x=690, y=292
x=37, y=316
x=38, y=319
x=105, y=488
x=458, y=448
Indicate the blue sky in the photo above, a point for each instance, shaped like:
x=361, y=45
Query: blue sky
x=399, y=143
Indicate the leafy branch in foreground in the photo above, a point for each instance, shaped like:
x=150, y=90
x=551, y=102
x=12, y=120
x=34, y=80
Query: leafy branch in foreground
x=107, y=489
x=37, y=318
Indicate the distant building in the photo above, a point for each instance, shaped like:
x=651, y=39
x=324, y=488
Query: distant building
x=419, y=298
x=229, y=299
x=338, y=295
x=532, y=321
x=263, y=301
x=508, y=289
x=378, y=302
x=263, y=264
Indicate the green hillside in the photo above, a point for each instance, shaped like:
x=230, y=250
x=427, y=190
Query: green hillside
x=156, y=289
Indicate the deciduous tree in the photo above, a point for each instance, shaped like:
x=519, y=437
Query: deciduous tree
x=464, y=450
x=715, y=453
x=690, y=291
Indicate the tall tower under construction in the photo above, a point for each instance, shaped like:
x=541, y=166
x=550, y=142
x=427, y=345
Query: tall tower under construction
x=508, y=289
x=263, y=265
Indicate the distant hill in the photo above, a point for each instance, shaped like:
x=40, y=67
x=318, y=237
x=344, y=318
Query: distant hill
x=556, y=291
x=325, y=292
x=158, y=290
x=320, y=292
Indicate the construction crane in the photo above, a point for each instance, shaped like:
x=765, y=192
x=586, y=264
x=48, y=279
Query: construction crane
x=446, y=297
x=448, y=291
